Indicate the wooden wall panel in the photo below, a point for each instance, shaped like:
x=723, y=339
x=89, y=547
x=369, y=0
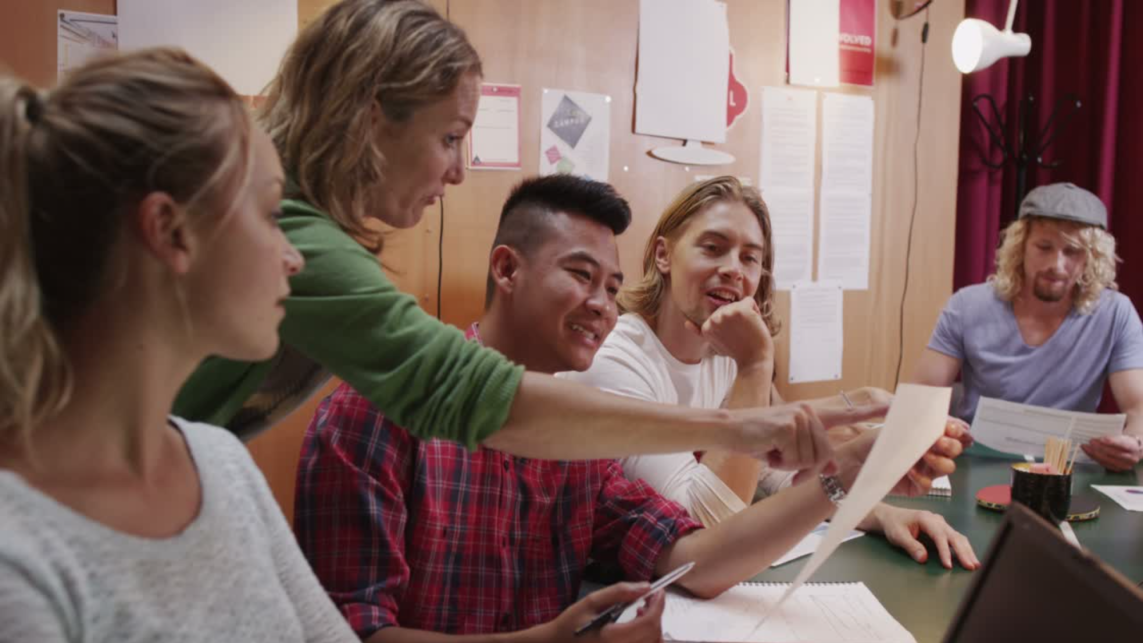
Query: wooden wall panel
x=591, y=45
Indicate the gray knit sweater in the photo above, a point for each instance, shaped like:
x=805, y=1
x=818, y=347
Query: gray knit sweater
x=234, y=574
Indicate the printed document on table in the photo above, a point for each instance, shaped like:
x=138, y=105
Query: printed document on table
x=809, y=544
x=1024, y=429
x=816, y=343
x=1130, y=498
x=820, y=612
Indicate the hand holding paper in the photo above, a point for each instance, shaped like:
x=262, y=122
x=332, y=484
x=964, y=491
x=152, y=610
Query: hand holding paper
x=914, y=430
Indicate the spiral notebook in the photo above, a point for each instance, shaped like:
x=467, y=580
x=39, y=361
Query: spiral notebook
x=818, y=612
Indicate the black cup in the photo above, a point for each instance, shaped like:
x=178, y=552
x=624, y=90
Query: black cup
x=1048, y=494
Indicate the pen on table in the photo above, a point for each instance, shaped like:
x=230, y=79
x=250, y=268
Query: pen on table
x=848, y=402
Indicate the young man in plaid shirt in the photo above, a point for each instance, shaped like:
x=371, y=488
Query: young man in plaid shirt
x=411, y=536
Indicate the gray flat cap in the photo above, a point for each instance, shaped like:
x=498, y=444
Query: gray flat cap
x=1065, y=201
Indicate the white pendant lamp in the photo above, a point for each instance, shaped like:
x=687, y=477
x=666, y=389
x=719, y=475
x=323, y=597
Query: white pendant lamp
x=977, y=44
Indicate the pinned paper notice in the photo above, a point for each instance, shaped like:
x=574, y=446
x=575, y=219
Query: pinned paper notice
x=789, y=138
x=792, y=222
x=494, y=140
x=575, y=134
x=82, y=36
x=915, y=421
x=816, y=343
x=843, y=252
x=243, y=41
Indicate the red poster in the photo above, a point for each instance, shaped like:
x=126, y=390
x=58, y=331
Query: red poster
x=858, y=22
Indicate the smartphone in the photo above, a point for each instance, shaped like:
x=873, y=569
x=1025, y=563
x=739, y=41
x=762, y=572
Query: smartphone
x=612, y=614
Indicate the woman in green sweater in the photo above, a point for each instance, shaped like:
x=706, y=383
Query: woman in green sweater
x=368, y=112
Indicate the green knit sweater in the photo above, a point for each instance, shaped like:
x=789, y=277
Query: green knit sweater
x=346, y=317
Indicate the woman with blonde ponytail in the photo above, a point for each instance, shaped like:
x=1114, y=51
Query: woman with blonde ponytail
x=138, y=235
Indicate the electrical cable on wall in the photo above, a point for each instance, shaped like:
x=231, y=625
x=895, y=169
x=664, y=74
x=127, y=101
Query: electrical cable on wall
x=916, y=198
x=440, y=257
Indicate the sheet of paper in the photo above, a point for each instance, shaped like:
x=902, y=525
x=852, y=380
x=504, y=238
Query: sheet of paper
x=915, y=420
x=814, y=27
x=494, y=140
x=684, y=69
x=792, y=222
x=81, y=36
x=847, y=143
x=243, y=41
x=789, y=138
x=809, y=544
x=843, y=247
x=822, y=613
x=1130, y=498
x=816, y=343
x=1023, y=429
x=575, y=133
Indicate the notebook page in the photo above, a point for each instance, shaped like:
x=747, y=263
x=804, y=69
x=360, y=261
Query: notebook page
x=818, y=612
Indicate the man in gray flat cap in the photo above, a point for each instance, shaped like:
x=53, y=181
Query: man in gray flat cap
x=1049, y=327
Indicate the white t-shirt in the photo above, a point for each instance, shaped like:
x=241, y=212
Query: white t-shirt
x=633, y=362
x=234, y=574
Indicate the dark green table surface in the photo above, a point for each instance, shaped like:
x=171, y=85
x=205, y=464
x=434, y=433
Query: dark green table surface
x=924, y=598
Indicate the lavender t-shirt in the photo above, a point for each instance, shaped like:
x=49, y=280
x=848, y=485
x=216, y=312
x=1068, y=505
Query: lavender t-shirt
x=1065, y=372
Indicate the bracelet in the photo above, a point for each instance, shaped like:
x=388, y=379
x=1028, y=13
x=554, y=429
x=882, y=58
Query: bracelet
x=833, y=488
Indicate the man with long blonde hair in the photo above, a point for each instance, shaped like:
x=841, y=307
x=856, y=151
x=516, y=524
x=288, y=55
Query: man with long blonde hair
x=697, y=332
x=1049, y=327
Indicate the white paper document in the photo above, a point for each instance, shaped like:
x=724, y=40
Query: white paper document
x=1130, y=498
x=494, y=140
x=81, y=36
x=814, y=26
x=809, y=544
x=789, y=138
x=847, y=143
x=819, y=613
x=816, y=343
x=843, y=249
x=792, y=224
x=915, y=421
x=1024, y=429
x=575, y=133
x=684, y=69
x=243, y=41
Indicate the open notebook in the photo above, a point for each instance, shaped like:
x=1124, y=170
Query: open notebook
x=818, y=612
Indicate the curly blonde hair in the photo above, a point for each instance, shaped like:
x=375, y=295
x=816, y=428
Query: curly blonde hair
x=645, y=297
x=1098, y=272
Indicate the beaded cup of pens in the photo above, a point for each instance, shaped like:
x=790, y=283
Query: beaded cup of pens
x=1046, y=487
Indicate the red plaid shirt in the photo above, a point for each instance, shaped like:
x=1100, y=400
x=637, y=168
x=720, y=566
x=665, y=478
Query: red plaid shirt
x=426, y=535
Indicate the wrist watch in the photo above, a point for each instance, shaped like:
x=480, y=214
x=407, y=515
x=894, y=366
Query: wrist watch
x=833, y=488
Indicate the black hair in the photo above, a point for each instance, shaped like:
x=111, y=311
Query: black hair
x=525, y=219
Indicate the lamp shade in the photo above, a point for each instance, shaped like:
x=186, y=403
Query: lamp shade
x=977, y=44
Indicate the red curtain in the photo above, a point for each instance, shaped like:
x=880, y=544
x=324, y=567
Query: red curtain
x=1090, y=48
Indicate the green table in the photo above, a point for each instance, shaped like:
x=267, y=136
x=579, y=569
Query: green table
x=924, y=598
